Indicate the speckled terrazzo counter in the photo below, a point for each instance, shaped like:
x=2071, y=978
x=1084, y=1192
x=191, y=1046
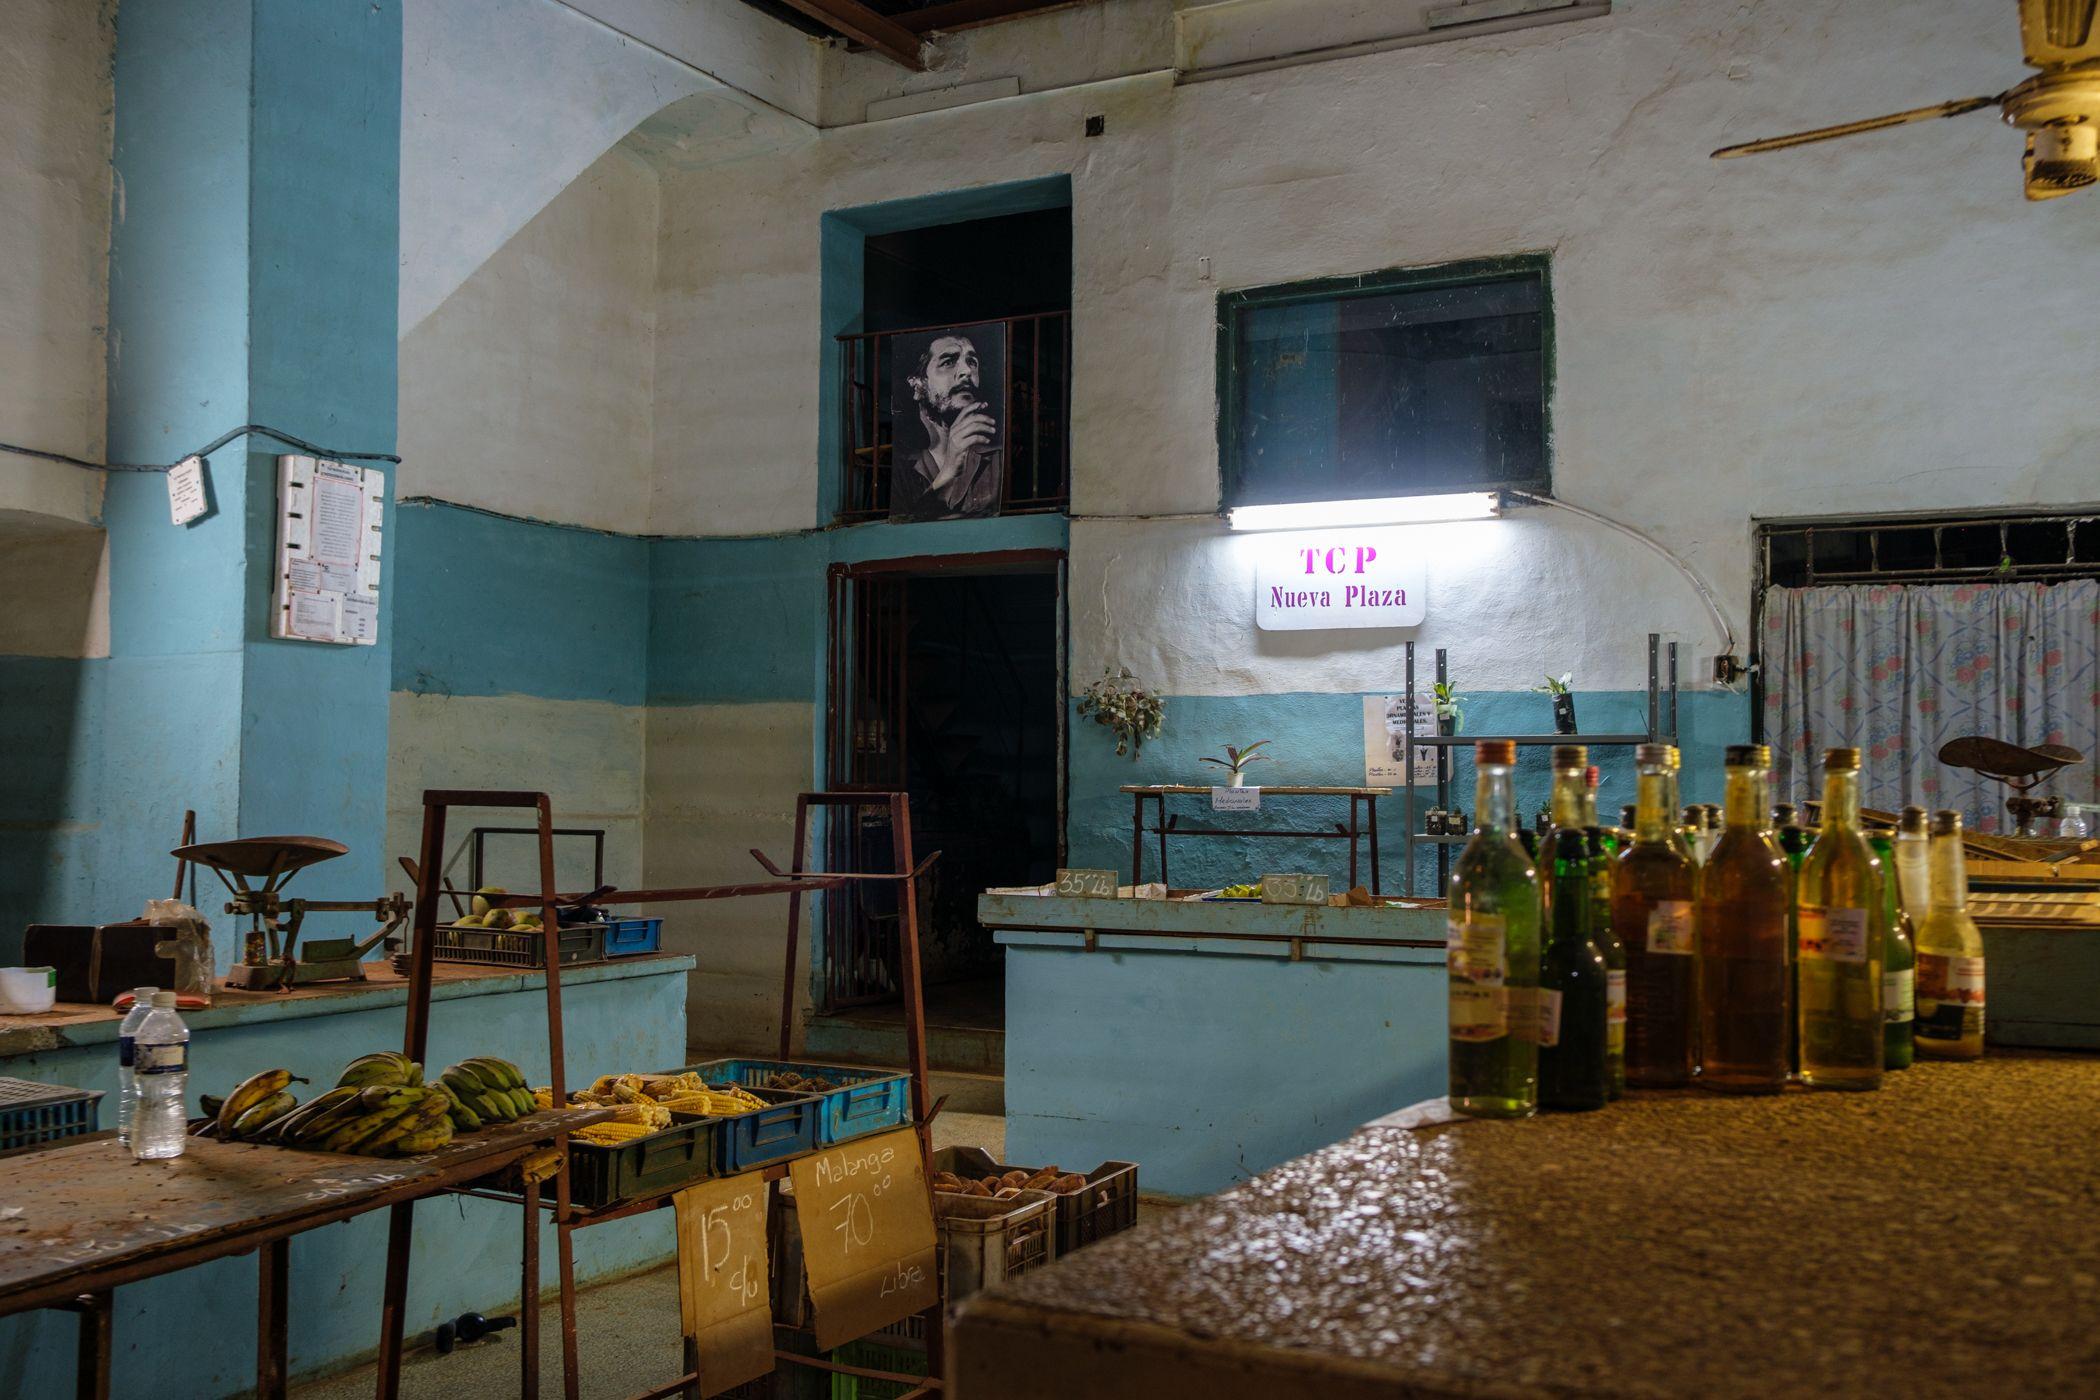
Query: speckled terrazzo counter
x=1938, y=1238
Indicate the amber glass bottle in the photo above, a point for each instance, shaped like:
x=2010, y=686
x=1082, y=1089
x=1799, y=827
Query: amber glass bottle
x=1950, y=954
x=1742, y=928
x=1492, y=951
x=1843, y=936
x=1654, y=885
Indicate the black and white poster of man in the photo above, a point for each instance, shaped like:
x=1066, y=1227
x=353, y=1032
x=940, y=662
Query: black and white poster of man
x=948, y=391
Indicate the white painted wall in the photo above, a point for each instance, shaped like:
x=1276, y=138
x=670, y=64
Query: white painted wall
x=505, y=102
x=529, y=390
x=1851, y=328
x=55, y=126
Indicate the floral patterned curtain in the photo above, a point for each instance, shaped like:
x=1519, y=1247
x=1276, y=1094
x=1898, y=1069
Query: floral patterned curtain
x=1898, y=670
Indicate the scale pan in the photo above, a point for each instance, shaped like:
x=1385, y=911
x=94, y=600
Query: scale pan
x=1995, y=758
x=261, y=856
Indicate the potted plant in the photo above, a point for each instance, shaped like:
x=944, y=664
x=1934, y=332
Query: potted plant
x=1235, y=761
x=1131, y=712
x=1448, y=711
x=1563, y=701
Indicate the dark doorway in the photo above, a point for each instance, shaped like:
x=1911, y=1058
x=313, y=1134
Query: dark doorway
x=947, y=681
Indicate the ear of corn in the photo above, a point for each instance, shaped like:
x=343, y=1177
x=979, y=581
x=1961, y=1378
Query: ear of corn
x=611, y=1134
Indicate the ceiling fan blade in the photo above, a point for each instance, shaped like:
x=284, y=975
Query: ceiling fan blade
x=1832, y=133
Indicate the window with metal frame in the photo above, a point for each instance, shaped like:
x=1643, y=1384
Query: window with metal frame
x=1414, y=381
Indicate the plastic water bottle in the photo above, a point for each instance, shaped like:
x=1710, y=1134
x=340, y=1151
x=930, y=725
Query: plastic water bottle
x=127, y=1079
x=161, y=1059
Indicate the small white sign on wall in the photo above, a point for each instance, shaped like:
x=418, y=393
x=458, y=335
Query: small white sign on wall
x=1316, y=582
x=329, y=517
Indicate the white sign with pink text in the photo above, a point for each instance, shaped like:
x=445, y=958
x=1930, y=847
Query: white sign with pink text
x=1314, y=582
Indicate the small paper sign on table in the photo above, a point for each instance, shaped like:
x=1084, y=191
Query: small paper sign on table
x=724, y=1303
x=867, y=1234
x=1235, y=799
x=1086, y=884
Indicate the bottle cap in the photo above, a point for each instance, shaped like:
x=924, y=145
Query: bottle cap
x=1676, y=758
x=1593, y=775
x=1946, y=822
x=1912, y=821
x=1570, y=755
x=1500, y=751
x=1651, y=754
x=1749, y=756
x=1841, y=760
x=163, y=1001
x=144, y=995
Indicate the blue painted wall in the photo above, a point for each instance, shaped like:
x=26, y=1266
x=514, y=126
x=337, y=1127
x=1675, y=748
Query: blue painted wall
x=191, y=1334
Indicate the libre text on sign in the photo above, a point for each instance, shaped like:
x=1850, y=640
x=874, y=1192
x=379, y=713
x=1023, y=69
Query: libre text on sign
x=1314, y=582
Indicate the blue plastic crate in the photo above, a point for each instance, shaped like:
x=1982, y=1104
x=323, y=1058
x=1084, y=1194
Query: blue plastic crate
x=33, y=1114
x=866, y=1101
x=626, y=937
x=787, y=1128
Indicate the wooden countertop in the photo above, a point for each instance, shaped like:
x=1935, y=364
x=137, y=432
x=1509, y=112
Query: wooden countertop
x=1940, y=1237
x=1157, y=790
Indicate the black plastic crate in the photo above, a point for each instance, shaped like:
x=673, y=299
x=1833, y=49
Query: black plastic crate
x=510, y=947
x=33, y=1114
x=669, y=1160
x=1105, y=1205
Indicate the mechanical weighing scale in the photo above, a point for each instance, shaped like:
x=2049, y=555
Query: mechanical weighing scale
x=255, y=870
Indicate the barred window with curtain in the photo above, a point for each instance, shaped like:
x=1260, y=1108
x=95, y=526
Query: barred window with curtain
x=1863, y=655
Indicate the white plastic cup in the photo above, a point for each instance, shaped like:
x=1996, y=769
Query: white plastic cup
x=25, y=991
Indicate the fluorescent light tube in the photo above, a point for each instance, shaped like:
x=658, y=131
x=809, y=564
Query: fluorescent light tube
x=1389, y=510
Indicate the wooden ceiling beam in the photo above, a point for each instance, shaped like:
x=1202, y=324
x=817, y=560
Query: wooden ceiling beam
x=864, y=26
x=965, y=14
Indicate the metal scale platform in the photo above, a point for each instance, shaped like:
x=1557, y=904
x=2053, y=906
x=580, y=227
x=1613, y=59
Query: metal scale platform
x=255, y=870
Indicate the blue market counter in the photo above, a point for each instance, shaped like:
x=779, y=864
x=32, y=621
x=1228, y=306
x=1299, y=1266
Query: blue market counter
x=622, y=1015
x=1210, y=1041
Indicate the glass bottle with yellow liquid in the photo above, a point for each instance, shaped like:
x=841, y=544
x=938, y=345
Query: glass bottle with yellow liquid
x=1492, y=953
x=1950, y=954
x=1843, y=934
x=1742, y=930
x=1654, y=884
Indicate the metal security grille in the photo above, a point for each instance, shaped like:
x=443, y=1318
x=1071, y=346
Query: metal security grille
x=1034, y=414
x=1927, y=549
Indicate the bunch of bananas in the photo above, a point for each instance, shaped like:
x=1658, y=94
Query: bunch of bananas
x=485, y=1090
x=389, y=1067
x=372, y=1120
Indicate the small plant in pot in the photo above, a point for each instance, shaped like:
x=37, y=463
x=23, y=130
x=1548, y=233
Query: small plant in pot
x=1448, y=708
x=1235, y=761
x=1563, y=701
x=1121, y=702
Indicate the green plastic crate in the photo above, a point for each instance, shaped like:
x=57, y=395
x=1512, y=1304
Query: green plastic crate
x=876, y=1356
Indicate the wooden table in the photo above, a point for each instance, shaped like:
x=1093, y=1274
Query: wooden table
x=92, y=1218
x=1937, y=1238
x=1164, y=827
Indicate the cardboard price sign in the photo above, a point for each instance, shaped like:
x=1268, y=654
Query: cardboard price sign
x=867, y=1234
x=724, y=1305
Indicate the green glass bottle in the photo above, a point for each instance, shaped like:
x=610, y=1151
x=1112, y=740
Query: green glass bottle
x=1573, y=1001
x=1492, y=951
x=1654, y=884
x=1614, y=952
x=1793, y=840
x=1842, y=935
x=1898, y=965
x=1742, y=930
x=1564, y=812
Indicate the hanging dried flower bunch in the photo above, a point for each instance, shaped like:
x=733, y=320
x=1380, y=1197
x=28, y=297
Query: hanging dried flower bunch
x=1132, y=712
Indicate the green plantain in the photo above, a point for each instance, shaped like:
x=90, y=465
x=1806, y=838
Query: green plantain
x=286, y=1129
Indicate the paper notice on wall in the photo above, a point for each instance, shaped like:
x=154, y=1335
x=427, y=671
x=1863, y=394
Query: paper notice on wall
x=186, y=500
x=339, y=516
x=1385, y=736
x=330, y=516
x=314, y=616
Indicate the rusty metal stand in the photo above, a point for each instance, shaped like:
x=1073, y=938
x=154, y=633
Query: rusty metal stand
x=794, y=882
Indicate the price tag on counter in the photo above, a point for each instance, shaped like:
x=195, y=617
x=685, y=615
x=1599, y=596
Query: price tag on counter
x=1235, y=799
x=724, y=1305
x=1086, y=884
x=867, y=1234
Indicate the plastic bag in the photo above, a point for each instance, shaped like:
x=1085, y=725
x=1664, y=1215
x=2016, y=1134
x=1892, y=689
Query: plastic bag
x=190, y=946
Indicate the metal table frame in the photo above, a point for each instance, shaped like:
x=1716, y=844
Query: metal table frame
x=1164, y=826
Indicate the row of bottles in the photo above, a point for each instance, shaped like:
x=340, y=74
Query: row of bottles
x=1597, y=958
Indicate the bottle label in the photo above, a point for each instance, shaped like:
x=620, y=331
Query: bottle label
x=1950, y=997
x=1670, y=927
x=1615, y=1012
x=1546, y=1027
x=1476, y=946
x=162, y=1059
x=126, y=1051
x=1835, y=935
x=1898, y=996
x=1479, y=1013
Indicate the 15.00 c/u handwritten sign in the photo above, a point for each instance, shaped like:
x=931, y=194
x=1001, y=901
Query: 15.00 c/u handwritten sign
x=867, y=1234
x=723, y=1300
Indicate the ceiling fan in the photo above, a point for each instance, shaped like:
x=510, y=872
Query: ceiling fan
x=2058, y=108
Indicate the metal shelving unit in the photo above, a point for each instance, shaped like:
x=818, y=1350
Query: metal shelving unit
x=1662, y=728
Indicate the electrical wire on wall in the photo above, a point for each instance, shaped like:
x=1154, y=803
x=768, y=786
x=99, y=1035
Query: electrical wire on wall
x=1706, y=594
x=245, y=430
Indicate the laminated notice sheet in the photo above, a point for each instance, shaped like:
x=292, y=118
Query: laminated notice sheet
x=329, y=518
